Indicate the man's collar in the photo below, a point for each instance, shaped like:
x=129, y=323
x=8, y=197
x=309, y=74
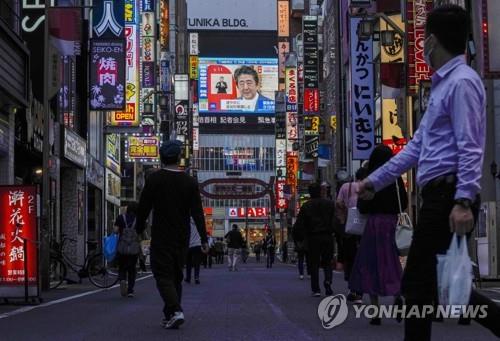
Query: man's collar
x=173, y=168
x=444, y=70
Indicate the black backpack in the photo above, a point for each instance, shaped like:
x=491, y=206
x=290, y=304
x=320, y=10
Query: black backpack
x=129, y=240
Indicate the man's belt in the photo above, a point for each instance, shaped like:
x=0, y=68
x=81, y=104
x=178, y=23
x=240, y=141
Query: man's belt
x=446, y=179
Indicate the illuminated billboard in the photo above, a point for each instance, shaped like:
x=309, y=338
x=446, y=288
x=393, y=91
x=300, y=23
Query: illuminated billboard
x=142, y=148
x=237, y=85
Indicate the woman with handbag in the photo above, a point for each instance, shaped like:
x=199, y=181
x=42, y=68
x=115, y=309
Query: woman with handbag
x=348, y=197
x=377, y=270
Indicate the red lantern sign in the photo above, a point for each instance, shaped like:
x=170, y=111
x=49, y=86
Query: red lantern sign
x=18, y=236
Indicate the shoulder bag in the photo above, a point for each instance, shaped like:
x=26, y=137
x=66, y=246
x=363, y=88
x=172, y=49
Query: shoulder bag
x=404, y=228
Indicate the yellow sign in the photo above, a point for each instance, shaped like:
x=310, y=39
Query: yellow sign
x=311, y=125
x=124, y=118
x=283, y=18
x=193, y=67
x=392, y=136
x=394, y=53
x=145, y=148
x=333, y=123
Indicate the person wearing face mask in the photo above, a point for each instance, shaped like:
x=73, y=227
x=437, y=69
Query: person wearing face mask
x=448, y=149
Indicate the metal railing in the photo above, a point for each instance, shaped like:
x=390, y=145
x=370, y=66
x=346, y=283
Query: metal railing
x=9, y=14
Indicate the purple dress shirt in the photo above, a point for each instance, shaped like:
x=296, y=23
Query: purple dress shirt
x=451, y=135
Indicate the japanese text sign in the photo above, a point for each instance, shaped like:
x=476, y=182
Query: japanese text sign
x=291, y=89
x=108, y=19
x=418, y=70
x=362, y=94
x=144, y=148
x=107, y=75
x=18, y=221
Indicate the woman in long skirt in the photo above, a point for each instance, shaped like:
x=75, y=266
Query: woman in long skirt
x=377, y=269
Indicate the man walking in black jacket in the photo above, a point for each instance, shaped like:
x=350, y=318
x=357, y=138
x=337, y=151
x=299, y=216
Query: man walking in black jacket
x=234, y=245
x=314, y=227
x=174, y=197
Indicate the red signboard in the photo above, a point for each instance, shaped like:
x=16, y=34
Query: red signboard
x=292, y=168
x=18, y=222
x=280, y=194
x=418, y=70
x=253, y=212
x=311, y=100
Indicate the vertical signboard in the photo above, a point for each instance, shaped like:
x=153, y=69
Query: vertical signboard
x=148, y=53
x=418, y=70
x=107, y=74
x=113, y=152
x=108, y=19
x=392, y=135
x=130, y=116
x=18, y=223
x=291, y=89
x=283, y=18
x=193, y=44
x=284, y=49
x=362, y=94
x=311, y=64
x=292, y=168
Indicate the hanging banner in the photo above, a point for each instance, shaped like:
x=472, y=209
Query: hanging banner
x=107, y=75
x=283, y=18
x=108, y=19
x=193, y=67
x=284, y=49
x=292, y=168
x=113, y=152
x=291, y=90
x=130, y=116
x=193, y=44
x=311, y=100
x=18, y=222
x=131, y=12
x=362, y=94
x=418, y=70
x=392, y=135
x=394, y=53
x=148, y=75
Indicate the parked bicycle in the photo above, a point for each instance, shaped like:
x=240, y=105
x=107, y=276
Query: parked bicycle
x=101, y=273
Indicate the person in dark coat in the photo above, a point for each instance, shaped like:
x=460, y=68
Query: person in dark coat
x=174, y=198
x=234, y=246
x=315, y=227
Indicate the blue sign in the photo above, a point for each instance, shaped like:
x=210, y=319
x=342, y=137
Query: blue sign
x=148, y=5
x=108, y=19
x=362, y=94
x=164, y=75
x=131, y=12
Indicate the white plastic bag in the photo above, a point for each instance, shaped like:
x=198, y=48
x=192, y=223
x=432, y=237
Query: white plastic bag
x=355, y=222
x=454, y=274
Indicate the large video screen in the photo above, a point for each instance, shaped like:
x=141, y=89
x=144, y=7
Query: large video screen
x=237, y=85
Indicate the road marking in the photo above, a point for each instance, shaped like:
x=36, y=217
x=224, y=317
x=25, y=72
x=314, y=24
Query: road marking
x=62, y=300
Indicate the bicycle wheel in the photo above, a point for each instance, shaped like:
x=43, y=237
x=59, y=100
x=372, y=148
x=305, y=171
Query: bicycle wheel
x=57, y=272
x=102, y=274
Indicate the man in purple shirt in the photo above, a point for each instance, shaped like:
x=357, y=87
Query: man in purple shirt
x=448, y=149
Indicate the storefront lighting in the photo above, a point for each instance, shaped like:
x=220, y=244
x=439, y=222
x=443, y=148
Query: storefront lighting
x=148, y=108
x=387, y=38
x=365, y=29
x=38, y=171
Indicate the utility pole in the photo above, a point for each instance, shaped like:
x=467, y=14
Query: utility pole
x=44, y=235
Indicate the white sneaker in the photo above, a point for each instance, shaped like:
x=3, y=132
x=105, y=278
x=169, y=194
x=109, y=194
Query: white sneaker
x=175, y=321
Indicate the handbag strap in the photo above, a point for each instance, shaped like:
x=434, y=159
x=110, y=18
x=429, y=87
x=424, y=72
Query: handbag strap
x=399, y=197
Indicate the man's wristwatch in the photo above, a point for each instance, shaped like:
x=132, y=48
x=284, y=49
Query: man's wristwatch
x=464, y=202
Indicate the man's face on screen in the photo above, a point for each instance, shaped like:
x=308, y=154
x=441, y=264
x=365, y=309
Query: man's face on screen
x=247, y=86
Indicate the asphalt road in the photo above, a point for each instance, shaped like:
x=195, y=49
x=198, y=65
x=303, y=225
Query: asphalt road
x=254, y=303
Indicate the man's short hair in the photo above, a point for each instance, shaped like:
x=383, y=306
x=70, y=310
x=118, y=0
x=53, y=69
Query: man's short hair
x=450, y=25
x=315, y=190
x=246, y=70
x=235, y=226
x=170, y=152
